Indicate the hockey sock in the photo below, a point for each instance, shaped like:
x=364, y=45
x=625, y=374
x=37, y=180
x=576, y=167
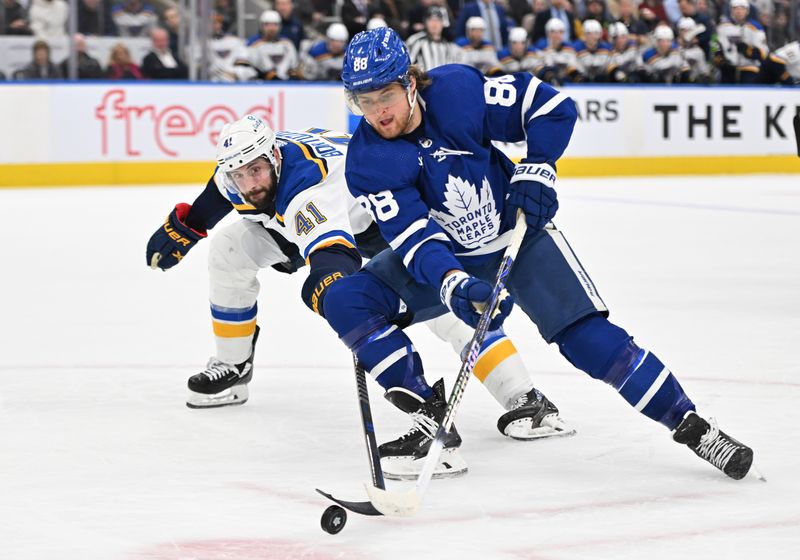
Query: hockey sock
x=233, y=332
x=607, y=352
x=499, y=366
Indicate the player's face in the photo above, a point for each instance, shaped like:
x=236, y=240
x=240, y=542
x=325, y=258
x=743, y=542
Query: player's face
x=256, y=181
x=556, y=37
x=387, y=110
x=739, y=13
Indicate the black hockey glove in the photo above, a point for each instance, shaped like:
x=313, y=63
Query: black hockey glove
x=532, y=191
x=170, y=243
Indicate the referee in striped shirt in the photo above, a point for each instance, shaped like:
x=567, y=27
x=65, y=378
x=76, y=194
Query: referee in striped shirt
x=429, y=49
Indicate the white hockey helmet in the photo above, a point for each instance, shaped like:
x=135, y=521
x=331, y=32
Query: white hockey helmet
x=740, y=4
x=337, y=32
x=375, y=23
x=554, y=24
x=270, y=16
x=243, y=141
x=476, y=22
x=592, y=26
x=517, y=35
x=664, y=32
x=618, y=29
x=686, y=24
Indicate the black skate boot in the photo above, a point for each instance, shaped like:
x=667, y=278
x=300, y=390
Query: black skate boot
x=402, y=459
x=533, y=416
x=715, y=446
x=222, y=384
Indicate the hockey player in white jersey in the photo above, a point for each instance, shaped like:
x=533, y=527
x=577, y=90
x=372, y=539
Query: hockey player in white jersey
x=624, y=62
x=692, y=53
x=664, y=63
x=740, y=46
x=289, y=188
x=593, y=53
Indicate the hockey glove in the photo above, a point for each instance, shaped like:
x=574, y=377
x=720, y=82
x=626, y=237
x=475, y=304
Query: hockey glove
x=532, y=191
x=170, y=243
x=467, y=296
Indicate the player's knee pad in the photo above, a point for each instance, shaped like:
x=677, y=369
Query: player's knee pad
x=598, y=347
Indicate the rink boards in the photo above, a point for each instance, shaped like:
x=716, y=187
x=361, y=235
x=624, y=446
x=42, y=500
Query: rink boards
x=143, y=133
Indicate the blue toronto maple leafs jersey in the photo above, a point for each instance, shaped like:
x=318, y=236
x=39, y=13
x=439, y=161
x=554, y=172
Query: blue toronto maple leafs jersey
x=438, y=193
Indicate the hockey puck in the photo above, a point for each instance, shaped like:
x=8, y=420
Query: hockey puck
x=333, y=519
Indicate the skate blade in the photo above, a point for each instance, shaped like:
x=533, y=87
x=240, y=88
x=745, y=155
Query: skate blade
x=755, y=473
x=550, y=427
x=236, y=395
x=451, y=465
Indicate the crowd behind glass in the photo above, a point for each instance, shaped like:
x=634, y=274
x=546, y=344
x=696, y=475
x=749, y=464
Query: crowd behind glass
x=560, y=41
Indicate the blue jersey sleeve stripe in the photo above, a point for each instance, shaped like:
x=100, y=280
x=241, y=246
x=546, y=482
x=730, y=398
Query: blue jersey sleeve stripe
x=341, y=234
x=409, y=231
x=234, y=314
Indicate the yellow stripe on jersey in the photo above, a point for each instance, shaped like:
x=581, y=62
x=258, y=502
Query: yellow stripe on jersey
x=492, y=357
x=234, y=330
x=329, y=242
x=309, y=156
x=243, y=207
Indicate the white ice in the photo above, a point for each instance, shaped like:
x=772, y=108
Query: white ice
x=101, y=460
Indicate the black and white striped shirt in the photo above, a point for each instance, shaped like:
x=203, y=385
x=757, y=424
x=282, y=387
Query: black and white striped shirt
x=427, y=53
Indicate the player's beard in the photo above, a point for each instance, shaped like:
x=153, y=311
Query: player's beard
x=400, y=124
x=263, y=199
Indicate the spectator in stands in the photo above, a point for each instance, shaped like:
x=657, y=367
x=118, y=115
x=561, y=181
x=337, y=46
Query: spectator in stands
x=94, y=18
x=172, y=24
x=664, y=63
x=355, y=14
x=652, y=13
x=88, y=67
x=517, y=10
x=291, y=26
x=429, y=48
x=596, y=10
x=161, y=63
x=41, y=67
x=420, y=11
x=593, y=53
x=520, y=55
x=324, y=59
x=228, y=10
x=694, y=55
x=629, y=15
x=494, y=18
x=558, y=63
x=688, y=9
x=740, y=47
x=273, y=56
x=478, y=52
x=134, y=18
x=48, y=18
x=624, y=65
x=120, y=65
x=561, y=10
x=16, y=19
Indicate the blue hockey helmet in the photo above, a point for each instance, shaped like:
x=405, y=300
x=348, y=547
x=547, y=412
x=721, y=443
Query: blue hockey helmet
x=373, y=60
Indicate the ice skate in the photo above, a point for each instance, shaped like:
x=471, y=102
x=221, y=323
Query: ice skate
x=715, y=446
x=222, y=384
x=403, y=458
x=533, y=416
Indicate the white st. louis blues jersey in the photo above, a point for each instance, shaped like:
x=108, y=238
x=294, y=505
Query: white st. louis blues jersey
x=441, y=189
x=313, y=208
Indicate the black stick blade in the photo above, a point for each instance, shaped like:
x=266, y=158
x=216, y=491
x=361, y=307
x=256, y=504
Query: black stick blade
x=363, y=508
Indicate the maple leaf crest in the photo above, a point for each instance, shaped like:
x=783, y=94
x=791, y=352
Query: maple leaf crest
x=471, y=218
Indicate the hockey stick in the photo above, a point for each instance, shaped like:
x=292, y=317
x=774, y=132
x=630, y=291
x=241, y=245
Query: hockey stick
x=797, y=132
x=364, y=508
x=408, y=503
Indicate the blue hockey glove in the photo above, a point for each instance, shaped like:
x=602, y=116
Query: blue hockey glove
x=467, y=296
x=532, y=191
x=170, y=243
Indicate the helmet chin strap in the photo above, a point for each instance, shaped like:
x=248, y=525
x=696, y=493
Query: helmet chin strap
x=412, y=103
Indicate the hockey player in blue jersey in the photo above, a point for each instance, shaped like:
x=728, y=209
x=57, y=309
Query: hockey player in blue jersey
x=445, y=199
x=290, y=190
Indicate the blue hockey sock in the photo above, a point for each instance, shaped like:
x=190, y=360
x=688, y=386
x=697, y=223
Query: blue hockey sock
x=607, y=352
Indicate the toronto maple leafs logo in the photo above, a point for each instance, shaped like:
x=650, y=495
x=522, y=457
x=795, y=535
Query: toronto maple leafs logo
x=471, y=218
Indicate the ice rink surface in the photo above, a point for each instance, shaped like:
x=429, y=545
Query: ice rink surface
x=101, y=460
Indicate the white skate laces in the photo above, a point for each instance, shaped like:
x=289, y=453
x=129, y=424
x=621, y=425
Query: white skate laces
x=715, y=449
x=422, y=423
x=216, y=369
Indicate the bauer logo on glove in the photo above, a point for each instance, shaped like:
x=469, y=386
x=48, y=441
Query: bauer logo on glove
x=170, y=243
